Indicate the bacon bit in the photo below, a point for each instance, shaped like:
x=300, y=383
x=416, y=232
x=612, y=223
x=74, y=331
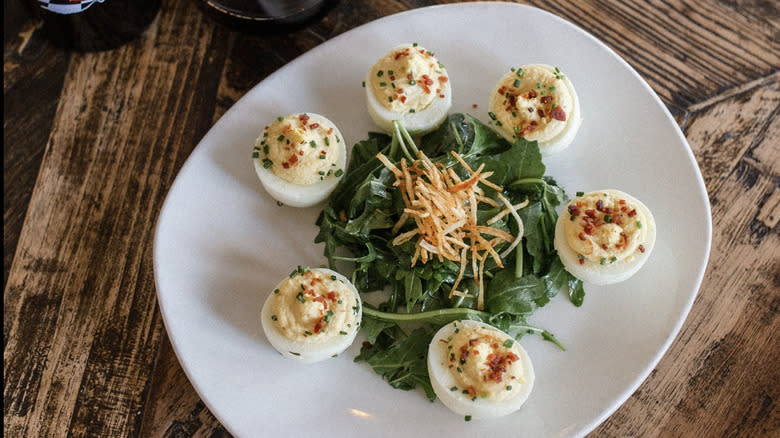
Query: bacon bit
x=443, y=79
x=530, y=95
x=330, y=131
x=641, y=248
x=581, y=236
x=332, y=296
x=300, y=153
x=590, y=213
x=409, y=76
x=632, y=213
x=426, y=89
x=540, y=112
x=472, y=392
x=314, y=126
x=600, y=205
x=403, y=99
x=318, y=325
x=546, y=99
x=304, y=118
x=474, y=341
x=322, y=300
x=474, y=105
x=574, y=210
x=441, y=95
x=392, y=77
x=498, y=364
x=401, y=53
x=427, y=80
x=464, y=352
x=558, y=113
x=286, y=165
x=582, y=261
x=293, y=159
x=287, y=128
x=604, y=246
x=588, y=229
x=501, y=91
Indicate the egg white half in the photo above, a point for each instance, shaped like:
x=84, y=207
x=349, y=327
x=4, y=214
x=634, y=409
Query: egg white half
x=608, y=273
x=311, y=352
x=573, y=121
x=300, y=195
x=417, y=123
x=443, y=381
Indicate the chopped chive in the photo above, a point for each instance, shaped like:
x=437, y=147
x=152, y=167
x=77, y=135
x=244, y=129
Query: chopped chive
x=339, y=173
x=607, y=218
x=411, y=110
x=327, y=141
x=274, y=318
x=300, y=297
x=492, y=115
x=454, y=388
x=280, y=138
x=280, y=118
x=383, y=84
x=255, y=154
x=516, y=83
x=509, y=387
x=467, y=418
x=329, y=316
x=267, y=163
x=276, y=291
x=313, y=144
x=295, y=354
x=613, y=260
x=508, y=343
x=342, y=332
x=638, y=224
x=603, y=261
x=379, y=73
x=580, y=194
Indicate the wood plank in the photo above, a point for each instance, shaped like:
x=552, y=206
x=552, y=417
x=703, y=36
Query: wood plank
x=728, y=389
x=33, y=75
x=82, y=324
x=686, y=50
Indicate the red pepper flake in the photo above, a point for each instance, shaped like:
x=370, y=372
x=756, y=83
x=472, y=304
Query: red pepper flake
x=318, y=325
x=300, y=153
x=323, y=153
x=332, y=296
x=401, y=53
x=392, y=77
x=286, y=165
x=320, y=299
x=582, y=261
x=558, y=113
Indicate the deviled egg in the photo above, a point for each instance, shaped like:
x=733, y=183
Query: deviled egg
x=536, y=102
x=409, y=85
x=478, y=370
x=604, y=237
x=312, y=315
x=300, y=158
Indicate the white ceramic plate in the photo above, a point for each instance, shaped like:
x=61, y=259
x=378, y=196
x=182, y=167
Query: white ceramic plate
x=222, y=243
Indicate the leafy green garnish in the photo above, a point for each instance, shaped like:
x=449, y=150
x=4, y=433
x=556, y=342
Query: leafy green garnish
x=356, y=227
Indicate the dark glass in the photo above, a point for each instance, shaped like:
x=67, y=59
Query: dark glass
x=266, y=16
x=95, y=25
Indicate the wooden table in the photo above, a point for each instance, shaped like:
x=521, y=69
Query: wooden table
x=93, y=143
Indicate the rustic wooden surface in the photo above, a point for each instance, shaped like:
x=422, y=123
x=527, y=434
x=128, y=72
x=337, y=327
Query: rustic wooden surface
x=94, y=141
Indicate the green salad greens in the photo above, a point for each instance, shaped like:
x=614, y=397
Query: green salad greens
x=357, y=228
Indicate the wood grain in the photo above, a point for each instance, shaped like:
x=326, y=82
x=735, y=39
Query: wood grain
x=94, y=141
